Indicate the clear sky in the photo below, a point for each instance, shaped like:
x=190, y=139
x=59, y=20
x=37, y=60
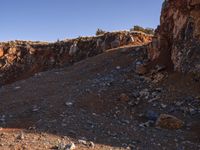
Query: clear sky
x=49, y=20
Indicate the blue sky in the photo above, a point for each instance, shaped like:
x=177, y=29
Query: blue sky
x=49, y=20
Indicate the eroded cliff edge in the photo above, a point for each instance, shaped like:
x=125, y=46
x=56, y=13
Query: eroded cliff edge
x=22, y=59
x=177, y=40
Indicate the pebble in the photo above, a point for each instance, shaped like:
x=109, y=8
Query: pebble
x=35, y=109
x=118, y=67
x=141, y=69
x=68, y=103
x=146, y=124
x=144, y=92
x=84, y=142
x=169, y=122
x=3, y=118
x=192, y=111
x=179, y=103
x=138, y=63
x=61, y=146
x=154, y=99
x=124, y=97
x=160, y=67
x=70, y=146
x=163, y=105
x=91, y=144
x=21, y=136
x=17, y=87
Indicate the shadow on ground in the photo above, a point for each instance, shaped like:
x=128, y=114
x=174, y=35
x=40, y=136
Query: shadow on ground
x=82, y=102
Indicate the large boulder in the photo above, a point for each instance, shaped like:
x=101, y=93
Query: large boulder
x=177, y=39
x=169, y=122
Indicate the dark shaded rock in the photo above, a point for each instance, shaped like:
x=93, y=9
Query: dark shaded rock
x=151, y=115
x=177, y=39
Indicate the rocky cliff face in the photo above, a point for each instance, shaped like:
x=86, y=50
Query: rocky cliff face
x=21, y=59
x=177, y=39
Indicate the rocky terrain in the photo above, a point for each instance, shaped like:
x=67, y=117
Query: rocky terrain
x=22, y=59
x=177, y=39
x=116, y=91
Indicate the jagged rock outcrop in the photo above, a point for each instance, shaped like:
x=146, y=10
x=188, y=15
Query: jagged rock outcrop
x=177, y=39
x=21, y=59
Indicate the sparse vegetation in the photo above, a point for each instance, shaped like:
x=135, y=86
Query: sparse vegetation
x=145, y=30
x=100, y=31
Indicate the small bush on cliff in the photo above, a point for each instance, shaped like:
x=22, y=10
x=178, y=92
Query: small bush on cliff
x=145, y=30
x=100, y=31
x=137, y=28
x=149, y=31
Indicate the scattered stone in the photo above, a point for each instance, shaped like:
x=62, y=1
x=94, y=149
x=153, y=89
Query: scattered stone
x=151, y=115
x=141, y=69
x=91, y=144
x=163, y=105
x=84, y=142
x=192, y=111
x=61, y=146
x=144, y=92
x=118, y=67
x=2, y=119
x=169, y=122
x=124, y=97
x=17, y=87
x=70, y=146
x=146, y=124
x=154, y=99
x=21, y=136
x=179, y=103
x=63, y=124
x=35, y=108
x=68, y=103
x=160, y=67
x=125, y=121
x=158, y=77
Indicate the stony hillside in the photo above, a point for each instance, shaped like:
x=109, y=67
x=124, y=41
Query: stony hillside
x=22, y=59
x=102, y=103
x=116, y=91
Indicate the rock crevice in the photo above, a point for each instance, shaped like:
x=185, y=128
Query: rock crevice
x=177, y=39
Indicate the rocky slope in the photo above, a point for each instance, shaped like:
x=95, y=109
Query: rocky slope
x=102, y=103
x=177, y=40
x=118, y=99
x=21, y=59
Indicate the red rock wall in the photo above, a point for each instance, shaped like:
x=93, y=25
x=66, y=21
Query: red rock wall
x=177, y=39
x=21, y=59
